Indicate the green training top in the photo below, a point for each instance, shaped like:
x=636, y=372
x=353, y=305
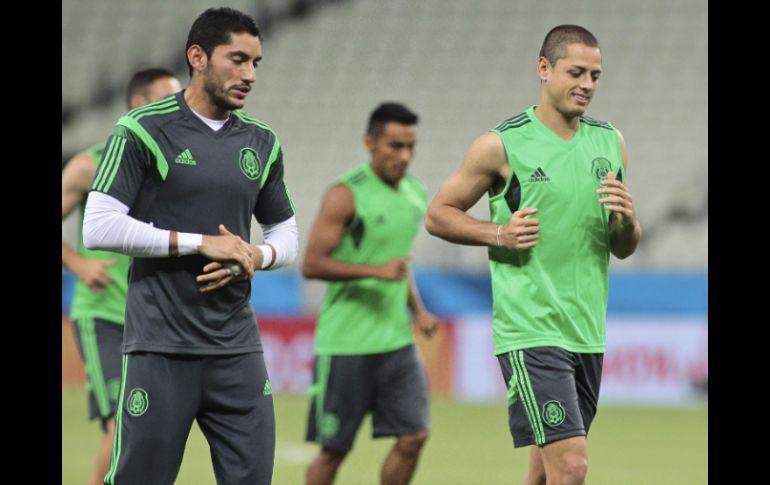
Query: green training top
x=368, y=315
x=110, y=304
x=554, y=294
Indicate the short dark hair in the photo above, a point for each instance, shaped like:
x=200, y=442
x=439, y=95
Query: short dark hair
x=386, y=112
x=141, y=81
x=214, y=26
x=556, y=41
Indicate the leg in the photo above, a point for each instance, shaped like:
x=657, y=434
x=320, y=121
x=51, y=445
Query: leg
x=159, y=398
x=543, y=410
x=402, y=411
x=324, y=466
x=566, y=461
x=238, y=419
x=99, y=342
x=401, y=462
x=341, y=395
x=536, y=472
x=102, y=463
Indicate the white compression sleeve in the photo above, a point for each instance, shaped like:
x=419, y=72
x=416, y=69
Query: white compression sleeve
x=284, y=238
x=107, y=226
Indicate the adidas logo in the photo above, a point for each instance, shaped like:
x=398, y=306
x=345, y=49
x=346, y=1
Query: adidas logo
x=185, y=158
x=539, y=176
x=268, y=390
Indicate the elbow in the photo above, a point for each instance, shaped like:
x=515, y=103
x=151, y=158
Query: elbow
x=309, y=270
x=90, y=241
x=430, y=224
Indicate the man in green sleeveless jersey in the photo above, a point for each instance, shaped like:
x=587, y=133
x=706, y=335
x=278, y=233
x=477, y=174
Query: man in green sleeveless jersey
x=99, y=304
x=558, y=208
x=366, y=360
x=177, y=188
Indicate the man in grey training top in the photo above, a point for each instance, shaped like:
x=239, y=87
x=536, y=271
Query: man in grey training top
x=176, y=189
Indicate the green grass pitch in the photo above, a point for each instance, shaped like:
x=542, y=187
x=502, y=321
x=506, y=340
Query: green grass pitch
x=469, y=443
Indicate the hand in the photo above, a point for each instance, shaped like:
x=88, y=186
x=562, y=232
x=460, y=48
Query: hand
x=618, y=199
x=228, y=247
x=426, y=322
x=217, y=274
x=93, y=273
x=520, y=233
x=393, y=270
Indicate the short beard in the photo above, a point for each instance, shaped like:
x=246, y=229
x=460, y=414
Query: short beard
x=220, y=101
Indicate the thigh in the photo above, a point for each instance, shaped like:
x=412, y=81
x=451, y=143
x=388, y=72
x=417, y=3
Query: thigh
x=401, y=396
x=159, y=398
x=99, y=342
x=237, y=417
x=588, y=378
x=542, y=396
x=341, y=395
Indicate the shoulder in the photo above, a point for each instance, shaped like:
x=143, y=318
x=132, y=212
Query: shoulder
x=594, y=123
x=355, y=177
x=81, y=167
x=416, y=184
x=513, y=122
x=260, y=127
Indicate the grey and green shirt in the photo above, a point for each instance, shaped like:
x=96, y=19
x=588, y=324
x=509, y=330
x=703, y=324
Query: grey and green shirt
x=554, y=294
x=369, y=315
x=176, y=173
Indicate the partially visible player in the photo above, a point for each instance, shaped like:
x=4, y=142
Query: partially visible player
x=99, y=304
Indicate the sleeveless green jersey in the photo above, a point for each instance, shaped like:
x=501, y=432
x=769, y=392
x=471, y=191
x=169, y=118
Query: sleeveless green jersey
x=369, y=315
x=110, y=304
x=554, y=294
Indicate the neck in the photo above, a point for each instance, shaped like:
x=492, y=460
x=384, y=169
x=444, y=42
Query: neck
x=200, y=101
x=558, y=122
x=379, y=175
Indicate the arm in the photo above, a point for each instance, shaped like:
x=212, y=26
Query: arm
x=75, y=180
x=485, y=164
x=108, y=226
x=625, y=230
x=425, y=321
x=279, y=249
x=337, y=211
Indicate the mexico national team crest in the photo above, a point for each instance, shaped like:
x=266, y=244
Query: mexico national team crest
x=600, y=167
x=250, y=163
x=329, y=425
x=138, y=402
x=553, y=413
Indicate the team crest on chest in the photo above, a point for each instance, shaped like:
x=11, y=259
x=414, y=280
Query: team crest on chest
x=600, y=167
x=250, y=164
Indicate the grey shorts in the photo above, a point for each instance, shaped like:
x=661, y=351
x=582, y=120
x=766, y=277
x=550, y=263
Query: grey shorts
x=231, y=398
x=552, y=393
x=393, y=386
x=99, y=343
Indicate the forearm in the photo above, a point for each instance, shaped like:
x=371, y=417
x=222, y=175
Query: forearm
x=329, y=269
x=107, y=226
x=457, y=226
x=69, y=257
x=414, y=302
x=280, y=246
x=624, y=238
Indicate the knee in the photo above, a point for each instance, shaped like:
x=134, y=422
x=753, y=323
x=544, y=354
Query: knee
x=536, y=477
x=411, y=444
x=574, y=468
x=328, y=457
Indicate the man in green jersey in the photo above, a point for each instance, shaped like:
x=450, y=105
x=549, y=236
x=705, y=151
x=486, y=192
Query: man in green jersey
x=558, y=207
x=99, y=304
x=366, y=360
